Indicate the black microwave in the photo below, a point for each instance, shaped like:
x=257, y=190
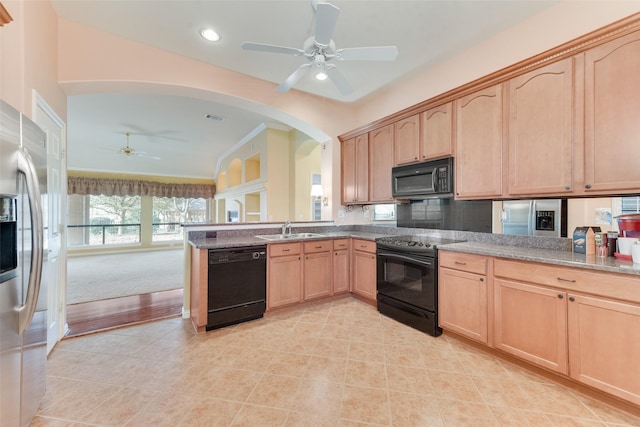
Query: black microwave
x=424, y=180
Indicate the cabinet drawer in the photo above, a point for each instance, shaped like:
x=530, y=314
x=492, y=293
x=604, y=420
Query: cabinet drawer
x=317, y=246
x=339, y=244
x=364, y=245
x=609, y=285
x=281, y=249
x=463, y=262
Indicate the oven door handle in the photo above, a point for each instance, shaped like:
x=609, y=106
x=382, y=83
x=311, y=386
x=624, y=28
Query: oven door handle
x=406, y=258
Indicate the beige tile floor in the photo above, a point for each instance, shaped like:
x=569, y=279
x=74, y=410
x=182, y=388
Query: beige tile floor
x=336, y=363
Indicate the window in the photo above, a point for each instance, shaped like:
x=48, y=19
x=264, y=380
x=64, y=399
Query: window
x=630, y=204
x=316, y=199
x=169, y=213
x=103, y=220
x=384, y=212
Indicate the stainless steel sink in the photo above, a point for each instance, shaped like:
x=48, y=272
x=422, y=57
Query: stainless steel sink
x=289, y=236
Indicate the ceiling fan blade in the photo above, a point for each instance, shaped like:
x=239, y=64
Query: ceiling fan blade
x=375, y=53
x=326, y=18
x=272, y=48
x=293, y=78
x=338, y=79
x=146, y=156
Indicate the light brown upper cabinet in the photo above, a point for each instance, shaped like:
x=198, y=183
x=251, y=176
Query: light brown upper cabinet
x=407, y=140
x=478, y=162
x=437, y=136
x=540, y=129
x=612, y=116
x=380, y=164
x=355, y=170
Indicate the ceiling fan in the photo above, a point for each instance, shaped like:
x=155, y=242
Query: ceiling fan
x=320, y=49
x=129, y=151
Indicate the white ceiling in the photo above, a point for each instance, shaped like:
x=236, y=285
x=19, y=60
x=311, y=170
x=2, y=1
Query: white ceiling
x=425, y=32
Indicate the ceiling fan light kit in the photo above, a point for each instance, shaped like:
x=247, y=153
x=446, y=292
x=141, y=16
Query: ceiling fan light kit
x=129, y=151
x=320, y=48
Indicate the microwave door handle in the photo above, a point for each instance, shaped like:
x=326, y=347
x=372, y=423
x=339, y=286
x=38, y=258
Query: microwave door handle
x=26, y=311
x=434, y=178
x=532, y=218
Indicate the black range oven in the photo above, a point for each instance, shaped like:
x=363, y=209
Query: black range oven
x=407, y=280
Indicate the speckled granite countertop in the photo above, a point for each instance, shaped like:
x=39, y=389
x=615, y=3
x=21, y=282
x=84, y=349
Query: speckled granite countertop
x=547, y=256
x=243, y=241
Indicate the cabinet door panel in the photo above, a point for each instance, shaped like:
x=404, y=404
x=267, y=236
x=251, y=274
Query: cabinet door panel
x=380, y=164
x=341, y=271
x=407, y=140
x=540, y=130
x=317, y=275
x=348, y=171
x=355, y=169
x=437, y=132
x=364, y=274
x=604, y=344
x=285, y=280
x=462, y=303
x=362, y=168
x=612, y=112
x=478, y=166
x=531, y=323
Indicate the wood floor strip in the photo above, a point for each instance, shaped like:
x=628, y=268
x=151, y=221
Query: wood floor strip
x=94, y=316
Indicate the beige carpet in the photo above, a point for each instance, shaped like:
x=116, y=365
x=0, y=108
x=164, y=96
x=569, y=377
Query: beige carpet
x=96, y=277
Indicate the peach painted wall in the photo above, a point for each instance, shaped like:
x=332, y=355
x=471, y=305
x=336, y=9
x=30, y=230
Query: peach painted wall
x=29, y=51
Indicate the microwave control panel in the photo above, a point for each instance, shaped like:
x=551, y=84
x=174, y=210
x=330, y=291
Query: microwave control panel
x=442, y=179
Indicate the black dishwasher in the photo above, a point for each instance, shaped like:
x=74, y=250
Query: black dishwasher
x=237, y=285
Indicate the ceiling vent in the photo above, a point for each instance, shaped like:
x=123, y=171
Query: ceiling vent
x=214, y=117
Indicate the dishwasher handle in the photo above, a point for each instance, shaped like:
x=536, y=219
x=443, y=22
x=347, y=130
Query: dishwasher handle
x=228, y=255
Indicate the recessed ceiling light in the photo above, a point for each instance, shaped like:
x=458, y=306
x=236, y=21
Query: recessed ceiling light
x=210, y=34
x=321, y=75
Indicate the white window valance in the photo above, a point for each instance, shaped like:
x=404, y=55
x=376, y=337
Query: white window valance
x=126, y=187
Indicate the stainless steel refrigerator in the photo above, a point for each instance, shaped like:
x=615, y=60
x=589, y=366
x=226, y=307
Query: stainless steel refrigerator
x=23, y=302
x=541, y=217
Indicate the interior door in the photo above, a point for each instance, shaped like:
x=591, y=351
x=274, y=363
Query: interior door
x=54, y=129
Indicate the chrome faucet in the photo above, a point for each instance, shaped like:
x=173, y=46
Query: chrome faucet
x=285, y=226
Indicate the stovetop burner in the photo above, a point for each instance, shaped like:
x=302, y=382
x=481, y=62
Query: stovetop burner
x=423, y=244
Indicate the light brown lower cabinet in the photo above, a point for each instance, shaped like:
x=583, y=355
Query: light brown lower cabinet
x=284, y=281
x=463, y=295
x=531, y=322
x=341, y=265
x=364, y=269
x=317, y=275
x=604, y=345
x=576, y=322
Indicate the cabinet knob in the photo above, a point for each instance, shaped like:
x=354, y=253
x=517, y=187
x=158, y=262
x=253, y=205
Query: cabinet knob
x=482, y=279
x=567, y=187
x=588, y=186
x=560, y=296
x=572, y=299
x=415, y=158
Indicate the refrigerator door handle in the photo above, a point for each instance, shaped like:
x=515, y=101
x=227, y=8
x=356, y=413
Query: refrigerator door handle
x=26, y=311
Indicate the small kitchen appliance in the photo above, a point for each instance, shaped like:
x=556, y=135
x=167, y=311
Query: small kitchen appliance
x=432, y=179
